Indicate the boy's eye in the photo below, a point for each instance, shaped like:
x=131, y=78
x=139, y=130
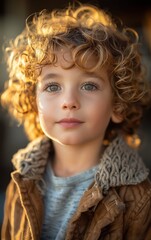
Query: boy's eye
x=89, y=87
x=53, y=87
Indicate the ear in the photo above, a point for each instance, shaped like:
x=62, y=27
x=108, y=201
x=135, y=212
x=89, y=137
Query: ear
x=116, y=118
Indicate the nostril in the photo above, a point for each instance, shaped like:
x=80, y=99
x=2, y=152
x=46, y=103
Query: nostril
x=74, y=107
x=70, y=106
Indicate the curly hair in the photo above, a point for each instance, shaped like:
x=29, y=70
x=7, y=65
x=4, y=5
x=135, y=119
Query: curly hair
x=87, y=31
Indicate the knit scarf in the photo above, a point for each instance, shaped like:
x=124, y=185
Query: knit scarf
x=119, y=164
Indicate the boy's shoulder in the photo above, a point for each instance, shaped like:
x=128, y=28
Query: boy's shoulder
x=137, y=199
x=140, y=192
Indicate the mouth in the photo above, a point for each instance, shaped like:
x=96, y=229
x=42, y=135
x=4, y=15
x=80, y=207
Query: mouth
x=69, y=122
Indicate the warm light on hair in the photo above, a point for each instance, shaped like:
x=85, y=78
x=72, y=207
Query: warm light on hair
x=86, y=31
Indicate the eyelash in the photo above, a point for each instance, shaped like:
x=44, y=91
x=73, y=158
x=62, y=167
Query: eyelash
x=52, y=84
x=94, y=85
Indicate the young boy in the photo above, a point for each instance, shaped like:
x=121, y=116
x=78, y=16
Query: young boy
x=76, y=83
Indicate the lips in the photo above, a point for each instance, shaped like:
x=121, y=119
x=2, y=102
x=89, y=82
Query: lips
x=69, y=122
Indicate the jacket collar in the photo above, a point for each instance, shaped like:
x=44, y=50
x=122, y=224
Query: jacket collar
x=119, y=165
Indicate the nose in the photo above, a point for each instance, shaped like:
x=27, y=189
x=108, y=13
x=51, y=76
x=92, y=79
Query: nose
x=71, y=102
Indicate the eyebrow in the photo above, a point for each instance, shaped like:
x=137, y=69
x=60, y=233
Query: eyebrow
x=94, y=75
x=49, y=75
x=85, y=74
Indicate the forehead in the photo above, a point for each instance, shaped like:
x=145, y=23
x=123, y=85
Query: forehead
x=66, y=65
x=67, y=58
x=64, y=58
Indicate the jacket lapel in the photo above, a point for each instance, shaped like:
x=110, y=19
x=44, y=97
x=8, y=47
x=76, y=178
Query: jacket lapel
x=32, y=203
x=104, y=210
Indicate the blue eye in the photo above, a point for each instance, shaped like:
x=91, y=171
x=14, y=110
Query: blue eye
x=53, y=87
x=89, y=87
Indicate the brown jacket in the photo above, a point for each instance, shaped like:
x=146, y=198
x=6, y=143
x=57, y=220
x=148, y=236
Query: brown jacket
x=117, y=206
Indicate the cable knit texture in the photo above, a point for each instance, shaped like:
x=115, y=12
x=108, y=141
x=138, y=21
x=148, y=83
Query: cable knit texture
x=119, y=165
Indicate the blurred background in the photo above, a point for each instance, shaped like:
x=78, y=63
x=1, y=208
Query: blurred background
x=13, y=14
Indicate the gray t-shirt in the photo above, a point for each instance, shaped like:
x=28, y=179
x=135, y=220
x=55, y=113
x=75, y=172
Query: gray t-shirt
x=61, y=200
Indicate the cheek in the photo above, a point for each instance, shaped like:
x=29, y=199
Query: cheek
x=101, y=117
x=44, y=104
x=45, y=118
x=44, y=109
x=101, y=110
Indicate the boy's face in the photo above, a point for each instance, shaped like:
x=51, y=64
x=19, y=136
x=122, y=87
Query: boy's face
x=74, y=106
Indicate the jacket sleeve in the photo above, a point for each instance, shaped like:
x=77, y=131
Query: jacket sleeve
x=6, y=225
x=139, y=222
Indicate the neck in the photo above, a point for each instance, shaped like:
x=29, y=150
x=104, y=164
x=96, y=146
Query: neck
x=70, y=159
